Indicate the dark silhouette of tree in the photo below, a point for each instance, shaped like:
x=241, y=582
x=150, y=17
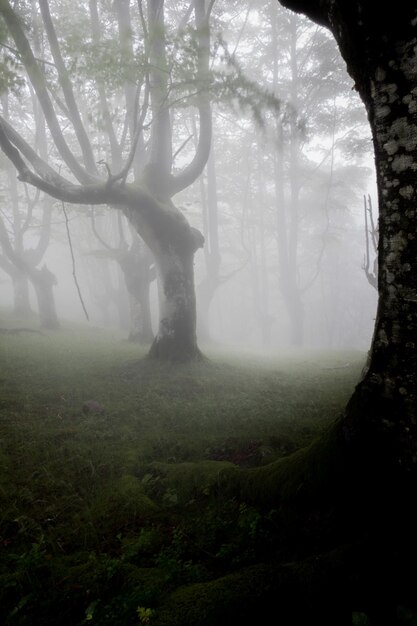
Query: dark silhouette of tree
x=378, y=48
x=343, y=508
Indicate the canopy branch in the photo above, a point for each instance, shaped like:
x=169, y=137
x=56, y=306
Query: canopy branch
x=65, y=83
x=38, y=81
x=195, y=168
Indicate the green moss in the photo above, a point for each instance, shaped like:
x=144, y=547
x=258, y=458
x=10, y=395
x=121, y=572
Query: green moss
x=120, y=503
x=182, y=482
x=117, y=510
x=294, y=593
x=310, y=475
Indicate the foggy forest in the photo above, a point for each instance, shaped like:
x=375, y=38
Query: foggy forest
x=208, y=279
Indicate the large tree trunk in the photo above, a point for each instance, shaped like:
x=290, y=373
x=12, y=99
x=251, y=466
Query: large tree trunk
x=347, y=501
x=386, y=398
x=358, y=482
x=176, y=338
x=173, y=244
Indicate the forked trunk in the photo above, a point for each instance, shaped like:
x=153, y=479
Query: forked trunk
x=173, y=244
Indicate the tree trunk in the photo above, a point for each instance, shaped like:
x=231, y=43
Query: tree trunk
x=44, y=281
x=21, y=298
x=176, y=338
x=173, y=244
x=349, y=497
x=387, y=395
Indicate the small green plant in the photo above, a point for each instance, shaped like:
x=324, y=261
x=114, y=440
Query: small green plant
x=145, y=615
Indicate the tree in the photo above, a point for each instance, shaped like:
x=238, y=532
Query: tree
x=371, y=241
x=145, y=198
x=22, y=263
x=345, y=504
x=377, y=434
x=380, y=55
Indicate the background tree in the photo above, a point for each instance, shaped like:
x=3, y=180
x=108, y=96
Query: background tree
x=371, y=244
x=137, y=266
x=19, y=261
x=256, y=217
x=147, y=203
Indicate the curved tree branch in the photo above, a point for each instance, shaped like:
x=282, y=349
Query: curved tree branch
x=38, y=81
x=65, y=83
x=40, y=166
x=195, y=168
x=160, y=157
x=55, y=185
x=115, y=149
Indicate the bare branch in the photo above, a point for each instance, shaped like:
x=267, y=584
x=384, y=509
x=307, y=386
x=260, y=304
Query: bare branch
x=115, y=148
x=17, y=55
x=74, y=273
x=38, y=81
x=98, y=237
x=65, y=83
x=182, y=146
x=197, y=165
x=54, y=184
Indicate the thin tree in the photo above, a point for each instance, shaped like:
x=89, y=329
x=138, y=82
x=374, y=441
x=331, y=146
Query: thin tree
x=371, y=242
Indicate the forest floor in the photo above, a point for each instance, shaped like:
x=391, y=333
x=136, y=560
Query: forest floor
x=109, y=467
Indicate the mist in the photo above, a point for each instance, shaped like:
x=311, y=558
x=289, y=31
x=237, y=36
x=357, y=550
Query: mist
x=280, y=203
x=208, y=262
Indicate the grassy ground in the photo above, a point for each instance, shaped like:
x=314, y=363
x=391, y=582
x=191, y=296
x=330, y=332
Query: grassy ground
x=108, y=463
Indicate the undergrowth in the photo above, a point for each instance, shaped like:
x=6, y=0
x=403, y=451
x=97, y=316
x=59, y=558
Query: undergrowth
x=109, y=468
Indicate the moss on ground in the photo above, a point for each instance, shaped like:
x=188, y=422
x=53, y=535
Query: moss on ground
x=171, y=495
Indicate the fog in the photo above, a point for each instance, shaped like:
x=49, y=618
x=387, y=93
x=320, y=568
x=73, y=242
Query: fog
x=198, y=426
x=280, y=202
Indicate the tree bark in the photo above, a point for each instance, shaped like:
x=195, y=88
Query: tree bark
x=388, y=391
x=173, y=243
x=354, y=486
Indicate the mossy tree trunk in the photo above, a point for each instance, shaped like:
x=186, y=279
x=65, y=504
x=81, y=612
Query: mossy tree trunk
x=346, y=503
x=379, y=47
x=176, y=338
